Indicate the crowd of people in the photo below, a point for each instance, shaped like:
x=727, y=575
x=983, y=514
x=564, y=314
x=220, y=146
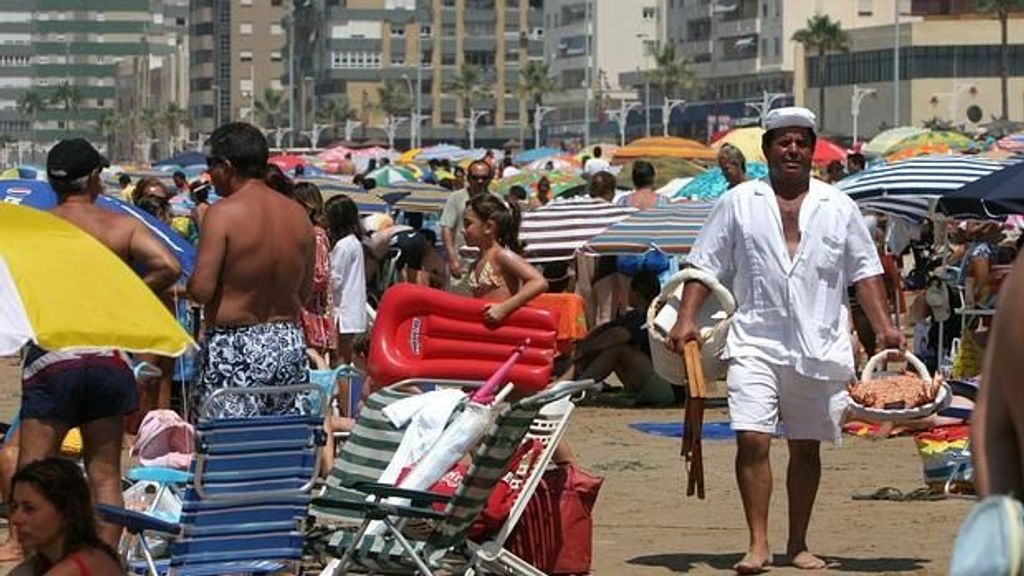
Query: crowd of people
x=284, y=279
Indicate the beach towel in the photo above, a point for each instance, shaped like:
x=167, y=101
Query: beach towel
x=424, y=417
x=165, y=439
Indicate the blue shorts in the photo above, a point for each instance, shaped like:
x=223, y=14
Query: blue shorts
x=76, y=387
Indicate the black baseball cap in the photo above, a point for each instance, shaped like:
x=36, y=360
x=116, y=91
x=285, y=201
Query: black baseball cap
x=73, y=158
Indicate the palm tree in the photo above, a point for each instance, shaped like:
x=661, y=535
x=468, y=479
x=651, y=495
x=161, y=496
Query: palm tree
x=1002, y=10
x=107, y=125
x=5, y=141
x=271, y=107
x=173, y=118
x=30, y=104
x=823, y=35
x=333, y=112
x=535, y=82
x=392, y=98
x=468, y=85
x=670, y=72
x=151, y=122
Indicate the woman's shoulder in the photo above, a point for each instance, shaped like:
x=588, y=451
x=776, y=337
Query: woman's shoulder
x=95, y=561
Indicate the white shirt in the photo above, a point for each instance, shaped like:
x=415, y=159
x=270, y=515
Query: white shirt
x=595, y=165
x=790, y=311
x=510, y=171
x=348, y=285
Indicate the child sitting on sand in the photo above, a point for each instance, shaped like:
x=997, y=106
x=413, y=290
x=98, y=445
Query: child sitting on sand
x=500, y=273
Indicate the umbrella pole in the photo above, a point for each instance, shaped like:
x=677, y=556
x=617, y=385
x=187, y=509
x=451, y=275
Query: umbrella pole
x=692, y=451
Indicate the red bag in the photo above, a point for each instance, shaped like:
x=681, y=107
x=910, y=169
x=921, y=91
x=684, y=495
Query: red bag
x=555, y=531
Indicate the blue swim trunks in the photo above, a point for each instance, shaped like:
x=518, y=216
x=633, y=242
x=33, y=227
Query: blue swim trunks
x=76, y=387
x=272, y=354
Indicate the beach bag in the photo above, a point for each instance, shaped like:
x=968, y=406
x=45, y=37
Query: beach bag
x=165, y=439
x=654, y=261
x=991, y=539
x=555, y=532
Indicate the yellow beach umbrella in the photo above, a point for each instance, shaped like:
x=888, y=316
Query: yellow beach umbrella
x=409, y=156
x=63, y=289
x=747, y=139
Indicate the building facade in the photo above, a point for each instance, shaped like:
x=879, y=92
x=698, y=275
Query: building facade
x=64, y=54
x=237, y=63
x=742, y=51
x=949, y=73
x=347, y=50
x=622, y=40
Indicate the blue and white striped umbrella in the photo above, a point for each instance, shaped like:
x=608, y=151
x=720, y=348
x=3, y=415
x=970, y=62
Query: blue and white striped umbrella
x=922, y=177
x=912, y=208
x=672, y=230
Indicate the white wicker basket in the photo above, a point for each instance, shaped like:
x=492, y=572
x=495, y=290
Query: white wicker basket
x=943, y=395
x=714, y=318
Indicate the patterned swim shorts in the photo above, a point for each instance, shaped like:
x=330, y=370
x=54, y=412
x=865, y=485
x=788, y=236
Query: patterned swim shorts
x=272, y=354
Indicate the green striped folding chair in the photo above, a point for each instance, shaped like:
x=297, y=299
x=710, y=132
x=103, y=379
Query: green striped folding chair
x=445, y=544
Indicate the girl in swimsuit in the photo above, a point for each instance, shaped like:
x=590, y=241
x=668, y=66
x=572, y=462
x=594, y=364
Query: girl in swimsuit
x=501, y=273
x=52, y=511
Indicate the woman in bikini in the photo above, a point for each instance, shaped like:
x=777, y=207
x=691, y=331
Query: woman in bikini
x=52, y=511
x=500, y=273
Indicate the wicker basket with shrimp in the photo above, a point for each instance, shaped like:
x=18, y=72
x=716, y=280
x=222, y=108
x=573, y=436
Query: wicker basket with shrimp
x=897, y=396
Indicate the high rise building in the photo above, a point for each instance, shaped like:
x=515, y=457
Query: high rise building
x=59, y=59
x=453, y=63
x=238, y=63
x=742, y=50
x=623, y=38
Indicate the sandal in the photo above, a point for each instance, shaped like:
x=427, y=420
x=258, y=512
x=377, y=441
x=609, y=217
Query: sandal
x=885, y=493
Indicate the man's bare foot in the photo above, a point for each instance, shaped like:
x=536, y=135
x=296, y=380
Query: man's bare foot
x=753, y=563
x=804, y=560
x=11, y=552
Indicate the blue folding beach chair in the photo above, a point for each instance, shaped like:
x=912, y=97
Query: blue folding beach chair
x=244, y=506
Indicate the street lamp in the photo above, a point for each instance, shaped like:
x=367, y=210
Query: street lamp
x=415, y=139
x=768, y=99
x=954, y=97
x=666, y=112
x=216, y=105
x=647, y=84
x=350, y=126
x=621, y=115
x=539, y=112
x=391, y=124
x=416, y=121
x=855, y=100
x=474, y=117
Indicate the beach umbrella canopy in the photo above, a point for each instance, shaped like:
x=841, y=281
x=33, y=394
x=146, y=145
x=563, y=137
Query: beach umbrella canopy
x=560, y=181
x=187, y=158
x=885, y=141
x=1001, y=193
x=61, y=288
x=672, y=230
x=287, y=162
x=747, y=139
x=441, y=152
x=557, y=230
x=388, y=175
x=414, y=196
x=912, y=208
x=39, y=195
x=827, y=151
x=1012, y=143
x=665, y=170
x=711, y=184
x=527, y=156
x=935, y=140
x=925, y=176
x=409, y=156
x=23, y=172
x=664, y=146
x=366, y=202
x=559, y=163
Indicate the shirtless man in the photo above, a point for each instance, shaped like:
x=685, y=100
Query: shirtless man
x=88, y=389
x=789, y=246
x=254, y=269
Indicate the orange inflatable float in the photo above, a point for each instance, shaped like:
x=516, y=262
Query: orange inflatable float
x=425, y=333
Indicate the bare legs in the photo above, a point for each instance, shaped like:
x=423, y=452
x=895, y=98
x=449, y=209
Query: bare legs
x=754, y=476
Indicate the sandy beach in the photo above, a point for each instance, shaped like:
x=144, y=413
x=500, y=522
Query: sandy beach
x=645, y=525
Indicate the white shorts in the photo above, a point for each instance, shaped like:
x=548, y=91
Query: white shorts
x=762, y=394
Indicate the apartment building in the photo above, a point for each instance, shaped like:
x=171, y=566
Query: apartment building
x=347, y=49
x=46, y=45
x=237, y=52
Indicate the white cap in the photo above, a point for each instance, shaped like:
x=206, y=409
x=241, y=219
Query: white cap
x=789, y=116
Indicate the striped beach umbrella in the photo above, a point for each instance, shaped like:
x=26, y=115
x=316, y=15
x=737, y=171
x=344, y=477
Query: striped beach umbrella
x=1012, y=143
x=885, y=142
x=926, y=176
x=671, y=230
x=912, y=208
x=414, y=196
x=556, y=231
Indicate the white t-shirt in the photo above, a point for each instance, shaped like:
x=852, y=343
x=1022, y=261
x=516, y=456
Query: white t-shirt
x=595, y=165
x=348, y=285
x=509, y=171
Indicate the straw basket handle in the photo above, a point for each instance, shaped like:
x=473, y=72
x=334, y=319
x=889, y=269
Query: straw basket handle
x=869, y=368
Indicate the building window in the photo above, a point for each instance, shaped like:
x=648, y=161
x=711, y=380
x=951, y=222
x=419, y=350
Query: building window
x=426, y=30
x=275, y=56
x=355, y=60
x=649, y=12
x=865, y=7
x=397, y=60
x=245, y=28
x=276, y=29
x=397, y=31
x=276, y=2
x=245, y=56
x=245, y=2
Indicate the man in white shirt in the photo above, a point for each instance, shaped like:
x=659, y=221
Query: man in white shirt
x=595, y=163
x=479, y=178
x=789, y=248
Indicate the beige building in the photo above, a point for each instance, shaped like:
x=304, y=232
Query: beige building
x=237, y=55
x=949, y=72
